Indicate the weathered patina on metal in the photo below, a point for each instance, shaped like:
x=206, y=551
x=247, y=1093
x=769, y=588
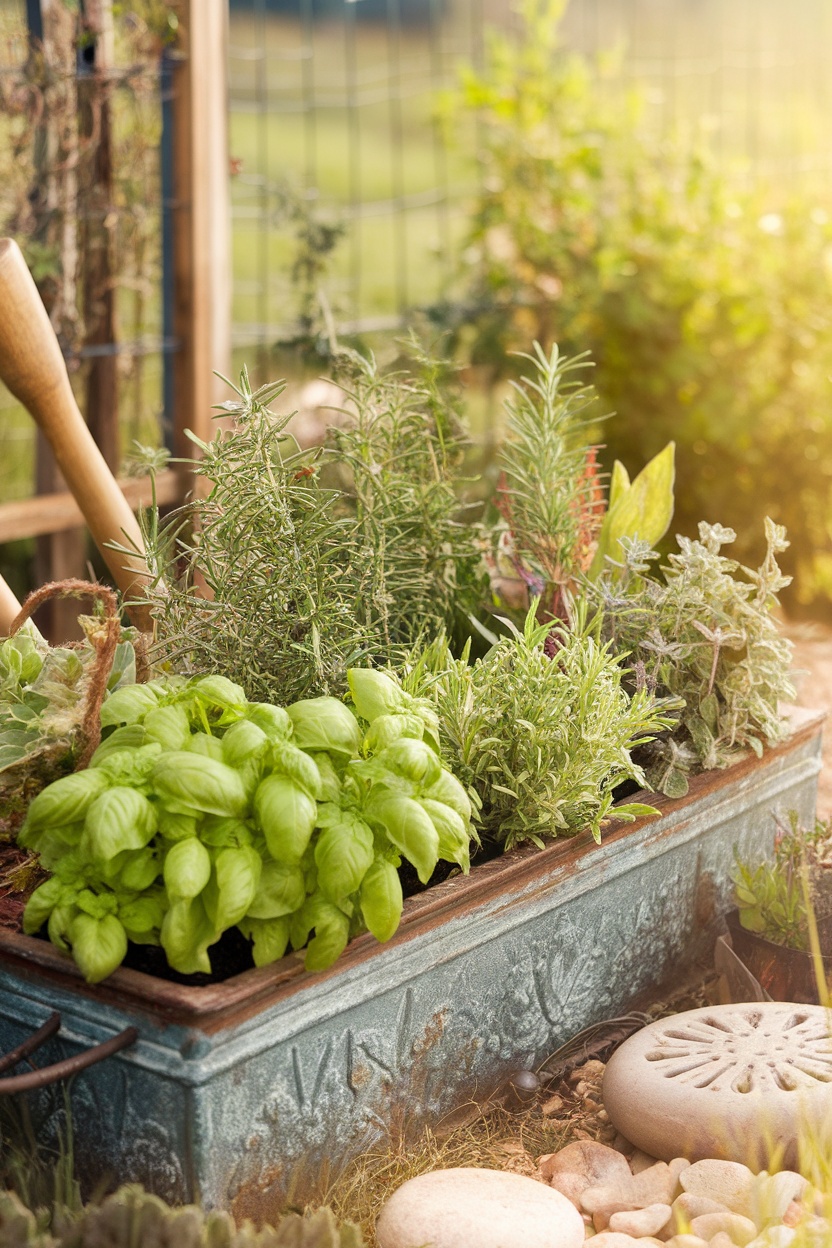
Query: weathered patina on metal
x=237, y=1093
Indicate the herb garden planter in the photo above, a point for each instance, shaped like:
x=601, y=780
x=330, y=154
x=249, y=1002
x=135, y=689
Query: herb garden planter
x=786, y=974
x=237, y=1093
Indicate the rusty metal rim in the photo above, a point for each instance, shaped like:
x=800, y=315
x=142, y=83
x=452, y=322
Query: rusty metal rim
x=215, y=1005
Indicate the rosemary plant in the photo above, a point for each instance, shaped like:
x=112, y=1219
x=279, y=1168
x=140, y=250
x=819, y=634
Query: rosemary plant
x=550, y=494
x=278, y=563
x=316, y=561
x=398, y=459
x=705, y=633
x=543, y=742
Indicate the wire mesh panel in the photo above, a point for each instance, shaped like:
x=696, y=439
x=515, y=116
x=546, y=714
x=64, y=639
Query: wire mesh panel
x=334, y=117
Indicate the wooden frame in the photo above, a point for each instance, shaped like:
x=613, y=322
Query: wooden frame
x=202, y=267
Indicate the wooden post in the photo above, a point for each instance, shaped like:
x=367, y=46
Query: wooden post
x=201, y=229
x=98, y=224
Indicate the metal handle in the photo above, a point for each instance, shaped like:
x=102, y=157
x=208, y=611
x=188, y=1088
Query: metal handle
x=58, y=1070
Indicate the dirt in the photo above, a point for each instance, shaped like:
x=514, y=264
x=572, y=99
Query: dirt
x=813, y=660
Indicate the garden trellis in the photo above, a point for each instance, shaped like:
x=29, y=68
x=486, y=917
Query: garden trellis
x=349, y=196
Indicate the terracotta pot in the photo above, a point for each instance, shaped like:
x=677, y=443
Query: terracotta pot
x=239, y=1092
x=786, y=974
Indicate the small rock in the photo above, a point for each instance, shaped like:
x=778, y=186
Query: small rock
x=689, y=1206
x=686, y=1241
x=793, y=1214
x=641, y=1161
x=553, y=1106
x=655, y=1186
x=728, y=1182
x=614, y=1239
x=722, y=1240
x=771, y=1195
x=641, y=1222
x=592, y=1069
x=459, y=1208
x=581, y=1165
x=741, y=1230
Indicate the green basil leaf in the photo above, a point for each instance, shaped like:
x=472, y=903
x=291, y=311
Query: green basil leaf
x=206, y=746
x=51, y=893
x=273, y=720
x=187, y=869
x=66, y=801
x=286, y=816
x=169, y=726
x=174, y=826
x=131, y=768
x=291, y=762
x=119, y=819
x=98, y=945
x=330, y=781
x=224, y=831
x=375, y=694
x=185, y=936
x=281, y=891
x=193, y=782
x=60, y=921
x=342, y=855
x=141, y=870
x=142, y=917
x=270, y=937
x=233, y=886
x=410, y=829
x=244, y=742
x=325, y=724
x=332, y=932
x=412, y=759
x=381, y=899
x=389, y=728
x=454, y=837
x=128, y=705
x=130, y=737
x=218, y=693
x=448, y=790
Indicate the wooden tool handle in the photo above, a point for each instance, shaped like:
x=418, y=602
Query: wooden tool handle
x=9, y=608
x=33, y=368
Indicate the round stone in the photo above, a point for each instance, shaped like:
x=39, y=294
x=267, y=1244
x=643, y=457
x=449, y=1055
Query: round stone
x=724, y=1082
x=463, y=1207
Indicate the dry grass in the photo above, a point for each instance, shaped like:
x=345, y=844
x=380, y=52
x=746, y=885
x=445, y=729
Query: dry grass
x=505, y=1133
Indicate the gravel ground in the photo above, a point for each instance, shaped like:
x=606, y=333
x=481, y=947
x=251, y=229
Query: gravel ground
x=813, y=658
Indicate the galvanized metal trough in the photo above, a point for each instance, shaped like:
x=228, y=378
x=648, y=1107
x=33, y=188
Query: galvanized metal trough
x=238, y=1093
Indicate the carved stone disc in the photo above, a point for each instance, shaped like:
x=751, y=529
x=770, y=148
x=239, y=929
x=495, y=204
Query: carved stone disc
x=729, y=1081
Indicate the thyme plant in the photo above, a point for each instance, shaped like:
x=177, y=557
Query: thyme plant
x=543, y=742
x=705, y=634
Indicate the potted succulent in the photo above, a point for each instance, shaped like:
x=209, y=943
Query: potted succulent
x=330, y=717
x=783, y=907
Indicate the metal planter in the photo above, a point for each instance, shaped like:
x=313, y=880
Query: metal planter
x=235, y=1094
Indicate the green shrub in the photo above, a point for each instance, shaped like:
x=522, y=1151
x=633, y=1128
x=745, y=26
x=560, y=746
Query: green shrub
x=706, y=306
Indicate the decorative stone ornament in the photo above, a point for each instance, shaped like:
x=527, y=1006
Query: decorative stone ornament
x=732, y=1081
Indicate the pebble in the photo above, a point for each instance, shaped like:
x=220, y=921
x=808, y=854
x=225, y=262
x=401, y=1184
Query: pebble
x=722, y=1240
x=690, y=1205
x=641, y=1161
x=615, y=1239
x=582, y=1165
x=686, y=1241
x=654, y=1186
x=727, y=1182
x=794, y=1214
x=741, y=1230
x=462, y=1207
x=641, y=1222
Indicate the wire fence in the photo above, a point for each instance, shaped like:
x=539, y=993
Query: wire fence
x=338, y=102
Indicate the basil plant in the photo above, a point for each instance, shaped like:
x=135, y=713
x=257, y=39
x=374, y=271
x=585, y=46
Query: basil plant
x=201, y=811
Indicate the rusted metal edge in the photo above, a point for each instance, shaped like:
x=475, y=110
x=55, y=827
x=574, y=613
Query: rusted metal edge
x=212, y=1007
